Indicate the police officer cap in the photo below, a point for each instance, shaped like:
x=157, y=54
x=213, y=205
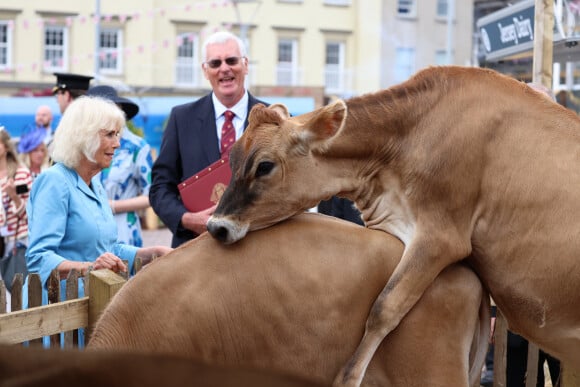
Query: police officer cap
x=66, y=81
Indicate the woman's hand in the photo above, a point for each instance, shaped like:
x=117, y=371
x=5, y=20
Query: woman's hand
x=147, y=254
x=109, y=261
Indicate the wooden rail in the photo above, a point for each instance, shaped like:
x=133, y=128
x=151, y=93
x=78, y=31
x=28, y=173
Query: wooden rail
x=50, y=320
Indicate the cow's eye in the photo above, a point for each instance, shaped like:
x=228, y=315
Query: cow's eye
x=264, y=168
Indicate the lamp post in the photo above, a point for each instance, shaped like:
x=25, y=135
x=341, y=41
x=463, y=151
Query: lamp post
x=97, y=35
x=244, y=26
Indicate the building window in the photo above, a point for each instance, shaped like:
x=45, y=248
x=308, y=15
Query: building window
x=287, y=68
x=441, y=8
x=55, y=44
x=187, y=65
x=441, y=58
x=337, y=2
x=335, y=77
x=5, y=44
x=406, y=8
x=110, y=54
x=404, y=63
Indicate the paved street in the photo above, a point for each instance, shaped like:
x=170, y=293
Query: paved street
x=160, y=236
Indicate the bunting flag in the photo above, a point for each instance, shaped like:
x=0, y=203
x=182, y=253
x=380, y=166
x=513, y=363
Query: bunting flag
x=139, y=49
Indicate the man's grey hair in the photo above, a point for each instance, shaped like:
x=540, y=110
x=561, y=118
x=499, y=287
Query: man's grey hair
x=222, y=37
x=77, y=134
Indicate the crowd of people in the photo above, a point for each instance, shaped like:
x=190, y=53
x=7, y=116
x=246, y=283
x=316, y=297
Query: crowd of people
x=72, y=194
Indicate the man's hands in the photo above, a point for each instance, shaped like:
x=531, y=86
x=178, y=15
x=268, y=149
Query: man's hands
x=196, y=221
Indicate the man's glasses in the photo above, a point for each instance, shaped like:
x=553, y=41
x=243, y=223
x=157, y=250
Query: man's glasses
x=231, y=61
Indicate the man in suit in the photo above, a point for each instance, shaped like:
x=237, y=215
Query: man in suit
x=191, y=140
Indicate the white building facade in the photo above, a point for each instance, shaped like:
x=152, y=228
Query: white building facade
x=332, y=48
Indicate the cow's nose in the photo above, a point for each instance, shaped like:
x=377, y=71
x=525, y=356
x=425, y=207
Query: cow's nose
x=217, y=231
x=225, y=230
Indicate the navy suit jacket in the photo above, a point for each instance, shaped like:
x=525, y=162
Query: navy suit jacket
x=189, y=144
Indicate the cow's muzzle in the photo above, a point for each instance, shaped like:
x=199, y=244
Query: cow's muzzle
x=225, y=230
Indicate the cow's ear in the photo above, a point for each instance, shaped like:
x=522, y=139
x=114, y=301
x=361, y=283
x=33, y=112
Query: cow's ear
x=327, y=122
x=260, y=114
x=281, y=109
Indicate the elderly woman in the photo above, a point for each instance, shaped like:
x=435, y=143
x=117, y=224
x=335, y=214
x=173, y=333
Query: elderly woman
x=71, y=225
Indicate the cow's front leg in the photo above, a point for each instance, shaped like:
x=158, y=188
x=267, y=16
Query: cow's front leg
x=421, y=263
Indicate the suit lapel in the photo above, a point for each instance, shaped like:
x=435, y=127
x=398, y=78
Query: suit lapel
x=207, y=133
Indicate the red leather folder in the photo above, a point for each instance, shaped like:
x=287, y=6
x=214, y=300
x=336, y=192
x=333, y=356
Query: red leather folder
x=205, y=188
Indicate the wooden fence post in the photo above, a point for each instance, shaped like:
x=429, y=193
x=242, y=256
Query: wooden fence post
x=71, y=338
x=34, y=298
x=500, y=350
x=533, y=358
x=104, y=284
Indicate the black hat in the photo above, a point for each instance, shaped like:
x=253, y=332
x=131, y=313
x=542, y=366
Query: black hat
x=71, y=82
x=107, y=92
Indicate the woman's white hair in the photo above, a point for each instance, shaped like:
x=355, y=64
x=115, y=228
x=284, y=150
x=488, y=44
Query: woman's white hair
x=221, y=37
x=77, y=134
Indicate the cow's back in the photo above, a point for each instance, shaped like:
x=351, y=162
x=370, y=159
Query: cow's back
x=294, y=297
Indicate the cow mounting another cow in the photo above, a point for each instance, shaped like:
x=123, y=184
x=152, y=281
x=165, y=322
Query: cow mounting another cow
x=457, y=163
x=293, y=299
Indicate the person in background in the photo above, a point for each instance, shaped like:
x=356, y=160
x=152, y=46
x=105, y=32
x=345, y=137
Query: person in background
x=70, y=222
x=15, y=181
x=341, y=208
x=69, y=87
x=43, y=122
x=128, y=179
x=191, y=140
x=33, y=152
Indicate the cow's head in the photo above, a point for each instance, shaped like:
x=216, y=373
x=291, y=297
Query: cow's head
x=276, y=171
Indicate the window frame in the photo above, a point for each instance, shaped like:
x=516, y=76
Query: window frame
x=438, y=7
x=335, y=70
x=111, y=53
x=287, y=68
x=405, y=65
x=190, y=63
x=409, y=5
x=49, y=63
x=6, y=46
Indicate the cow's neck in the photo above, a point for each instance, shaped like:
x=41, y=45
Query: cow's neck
x=363, y=159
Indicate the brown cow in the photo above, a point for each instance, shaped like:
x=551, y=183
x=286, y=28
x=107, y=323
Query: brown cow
x=456, y=162
x=39, y=367
x=293, y=298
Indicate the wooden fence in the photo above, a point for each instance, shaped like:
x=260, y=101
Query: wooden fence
x=68, y=316
x=50, y=320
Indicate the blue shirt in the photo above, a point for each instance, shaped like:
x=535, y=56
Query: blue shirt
x=69, y=220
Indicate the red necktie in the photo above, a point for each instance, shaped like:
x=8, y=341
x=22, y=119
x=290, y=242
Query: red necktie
x=228, y=132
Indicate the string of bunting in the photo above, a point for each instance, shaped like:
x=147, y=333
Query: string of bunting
x=126, y=50
x=40, y=22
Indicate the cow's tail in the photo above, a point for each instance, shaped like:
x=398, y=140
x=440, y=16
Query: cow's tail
x=480, y=343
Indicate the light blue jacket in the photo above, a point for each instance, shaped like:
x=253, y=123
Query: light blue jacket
x=69, y=220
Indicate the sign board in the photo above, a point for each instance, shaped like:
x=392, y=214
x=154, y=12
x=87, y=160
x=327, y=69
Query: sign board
x=508, y=31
